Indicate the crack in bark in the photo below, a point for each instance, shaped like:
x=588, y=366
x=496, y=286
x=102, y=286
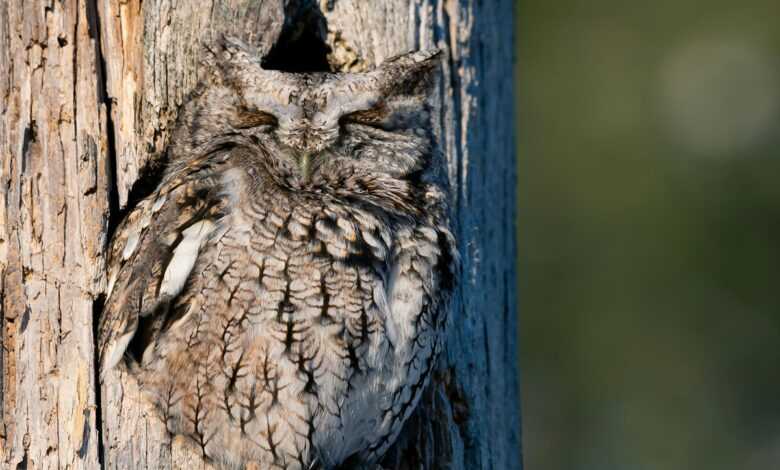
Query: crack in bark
x=93, y=20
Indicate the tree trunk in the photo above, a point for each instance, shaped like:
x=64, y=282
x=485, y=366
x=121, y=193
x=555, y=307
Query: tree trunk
x=90, y=91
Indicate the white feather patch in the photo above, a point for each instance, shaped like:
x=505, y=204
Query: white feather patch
x=158, y=203
x=111, y=284
x=184, y=256
x=146, y=220
x=115, y=352
x=131, y=244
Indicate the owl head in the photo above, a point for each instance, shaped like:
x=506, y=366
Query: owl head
x=311, y=131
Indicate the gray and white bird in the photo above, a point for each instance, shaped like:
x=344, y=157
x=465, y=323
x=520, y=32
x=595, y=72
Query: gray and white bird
x=284, y=289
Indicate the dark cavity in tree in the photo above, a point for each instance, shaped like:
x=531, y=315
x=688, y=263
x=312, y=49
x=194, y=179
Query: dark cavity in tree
x=301, y=47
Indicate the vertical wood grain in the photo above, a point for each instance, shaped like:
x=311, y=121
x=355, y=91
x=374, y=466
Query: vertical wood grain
x=53, y=221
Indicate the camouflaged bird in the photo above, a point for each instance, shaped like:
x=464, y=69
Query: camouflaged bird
x=281, y=296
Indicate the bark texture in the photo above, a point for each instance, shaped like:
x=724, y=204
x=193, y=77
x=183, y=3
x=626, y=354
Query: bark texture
x=89, y=93
x=54, y=193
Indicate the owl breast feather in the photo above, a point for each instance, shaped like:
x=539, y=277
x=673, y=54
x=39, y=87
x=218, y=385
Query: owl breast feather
x=302, y=332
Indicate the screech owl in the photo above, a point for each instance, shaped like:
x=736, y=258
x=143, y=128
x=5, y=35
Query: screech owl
x=284, y=289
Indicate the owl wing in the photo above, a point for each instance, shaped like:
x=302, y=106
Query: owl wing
x=154, y=251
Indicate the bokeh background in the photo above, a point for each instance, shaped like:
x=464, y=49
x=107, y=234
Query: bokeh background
x=649, y=233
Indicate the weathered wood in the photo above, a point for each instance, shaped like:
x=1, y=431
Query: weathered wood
x=89, y=93
x=121, y=27
x=53, y=220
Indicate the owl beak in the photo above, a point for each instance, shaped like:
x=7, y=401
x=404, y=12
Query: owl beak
x=305, y=166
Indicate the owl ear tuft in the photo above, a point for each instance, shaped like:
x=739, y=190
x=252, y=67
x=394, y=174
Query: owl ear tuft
x=422, y=57
x=412, y=72
x=225, y=54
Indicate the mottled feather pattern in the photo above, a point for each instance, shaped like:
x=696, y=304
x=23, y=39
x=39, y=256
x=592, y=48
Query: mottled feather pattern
x=282, y=295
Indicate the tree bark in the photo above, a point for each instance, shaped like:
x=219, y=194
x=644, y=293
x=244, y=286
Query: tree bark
x=90, y=90
x=54, y=193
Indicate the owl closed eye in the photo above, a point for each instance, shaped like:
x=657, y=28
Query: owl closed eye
x=246, y=118
x=369, y=117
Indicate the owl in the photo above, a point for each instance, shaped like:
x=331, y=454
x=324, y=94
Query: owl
x=281, y=296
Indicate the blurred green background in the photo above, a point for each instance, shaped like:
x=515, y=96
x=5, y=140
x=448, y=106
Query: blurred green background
x=649, y=233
